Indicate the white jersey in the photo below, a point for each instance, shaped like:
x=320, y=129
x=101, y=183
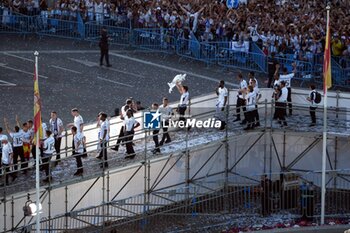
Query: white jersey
x=55, y=126
x=78, y=121
x=185, y=99
x=166, y=112
x=78, y=143
x=284, y=95
x=129, y=123
x=99, y=8
x=257, y=93
x=49, y=146
x=251, y=101
x=6, y=151
x=17, y=138
x=286, y=78
x=104, y=126
x=44, y=128
x=26, y=136
x=251, y=82
x=243, y=84
x=312, y=97
x=222, y=93
x=2, y=137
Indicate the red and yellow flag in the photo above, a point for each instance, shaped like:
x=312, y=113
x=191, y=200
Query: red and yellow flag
x=327, y=73
x=37, y=106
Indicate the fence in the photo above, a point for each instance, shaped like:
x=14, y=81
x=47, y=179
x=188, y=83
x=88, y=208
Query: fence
x=229, y=55
x=195, y=174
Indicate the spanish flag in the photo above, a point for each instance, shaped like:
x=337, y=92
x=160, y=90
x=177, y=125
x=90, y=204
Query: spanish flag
x=327, y=73
x=37, y=106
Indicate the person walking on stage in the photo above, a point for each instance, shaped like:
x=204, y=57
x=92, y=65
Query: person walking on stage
x=78, y=150
x=48, y=149
x=56, y=127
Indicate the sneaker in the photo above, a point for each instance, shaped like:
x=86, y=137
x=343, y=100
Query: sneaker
x=247, y=128
x=167, y=141
x=114, y=148
x=161, y=143
x=312, y=125
x=98, y=157
x=130, y=156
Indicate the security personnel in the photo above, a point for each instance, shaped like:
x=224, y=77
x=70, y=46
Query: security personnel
x=104, y=47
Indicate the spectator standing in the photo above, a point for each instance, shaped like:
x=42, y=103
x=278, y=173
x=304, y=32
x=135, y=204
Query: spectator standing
x=7, y=156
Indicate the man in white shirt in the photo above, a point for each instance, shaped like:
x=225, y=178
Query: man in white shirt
x=78, y=150
x=17, y=142
x=156, y=150
x=56, y=127
x=7, y=155
x=251, y=76
x=48, y=150
x=287, y=78
x=128, y=105
x=313, y=105
x=1, y=137
x=241, y=97
x=78, y=123
x=166, y=112
x=130, y=124
x=250, y=107
x=184, y=100
x=222, y=93
x=258, y=96
x=281, y=105
x=104, y=138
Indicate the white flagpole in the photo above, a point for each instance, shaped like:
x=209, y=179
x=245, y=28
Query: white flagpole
x=37, y=171
x=324, y=146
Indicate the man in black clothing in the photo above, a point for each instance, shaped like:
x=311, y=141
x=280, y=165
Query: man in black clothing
x=273, y=68
x=313, y=105
x=104, y=47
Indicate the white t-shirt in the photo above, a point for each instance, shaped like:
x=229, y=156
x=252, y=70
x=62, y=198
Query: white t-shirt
x=222, y=93
x=185, y=98
x=78, y=139
x=276, y=83
x=243, y=84
x=2, y=137
x=251, y=82
x=104, y=126
x=44, y=128
x=165, y=111
x=312, y=97
x=6, y=151
x=257, y=93
x=129, y=123
x=251, y=101
x=287, y=78
x=26, y=136
x=284, y=95
x=55, y=126
x=49, y=145
x=78, y=120
x=17, y=138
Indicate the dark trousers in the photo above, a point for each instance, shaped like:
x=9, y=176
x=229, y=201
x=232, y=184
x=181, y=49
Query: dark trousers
x=240, y=103
x=256, y=115
x=289, y=100
x=166, y=136
x=34, y=153
x=78, y=161
x=46, y=164
x=249, y=117
x=182, y=110
x=120, y=138
x=103, y=152
x=18, y=152
x=270, y=81
x=156, y=139
x=313, y=114
x=281, y=112
x=129, y=135
x=104, y=54
x=6, y=167
x=58, y=147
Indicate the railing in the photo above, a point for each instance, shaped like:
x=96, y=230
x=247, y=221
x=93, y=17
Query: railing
x=186, y=163
x=229, y=55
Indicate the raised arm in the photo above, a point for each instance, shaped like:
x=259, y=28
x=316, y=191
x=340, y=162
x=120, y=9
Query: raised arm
x=17, y=121
x=7, y=126
x=183, y=9
x=179, y=88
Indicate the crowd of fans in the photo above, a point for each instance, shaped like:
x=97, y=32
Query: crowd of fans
x=282, y=26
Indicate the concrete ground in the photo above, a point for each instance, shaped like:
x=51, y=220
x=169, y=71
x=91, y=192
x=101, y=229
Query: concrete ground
x=70, y=76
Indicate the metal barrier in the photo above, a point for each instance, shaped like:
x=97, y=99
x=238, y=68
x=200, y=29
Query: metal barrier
x=60, y=28
x=10, y=23
x=159, y=40
x=262, y=63
x=117, y=35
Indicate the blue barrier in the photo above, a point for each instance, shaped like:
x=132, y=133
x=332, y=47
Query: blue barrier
x=117, y=35
x=60, y=28
x=159, y=40
x=241, y=60
x=262, y=63
x=11, y=23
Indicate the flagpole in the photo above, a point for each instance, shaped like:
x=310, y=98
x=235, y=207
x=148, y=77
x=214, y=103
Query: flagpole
x=37, y=171
x=324, y=145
